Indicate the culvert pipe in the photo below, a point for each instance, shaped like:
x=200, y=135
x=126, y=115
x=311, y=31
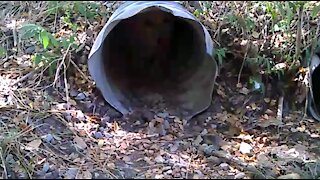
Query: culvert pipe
x=154, y=52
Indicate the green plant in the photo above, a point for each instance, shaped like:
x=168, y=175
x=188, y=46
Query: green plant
x=55, y=46
x=220, y=55
x=256, y=84
x=309, y=170
x=206, y=6
x=261, y=62
x=89, y=10
x=2, y=52
x=246, y=24
x=52, y=47
x=197, y=13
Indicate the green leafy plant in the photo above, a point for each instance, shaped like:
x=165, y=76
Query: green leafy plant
x=2, y=52
x=38, y=32
x=220, y=54
x=241, y=23
x=197, y=13
x=232, y=19
x=315, y=11
x=256, y=84
x=262, y=62
x=89, y=10
x=206, y=6
x=52, y=47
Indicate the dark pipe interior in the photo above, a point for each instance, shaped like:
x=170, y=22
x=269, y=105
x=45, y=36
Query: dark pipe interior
x=316, y=87
x=131, y=67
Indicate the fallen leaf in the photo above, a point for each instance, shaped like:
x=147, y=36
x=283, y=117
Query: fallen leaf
x=268, y=122
x=197, y=141
x=45, y=167
x=244, y=42
x=265, y=116
x=239, y=85
x=244, y=91
x=126, y=159
x=86, y=175
x=302, y=128
x=115, y=126
x=72, y=102
x=267, y=100
x=204, y=132
x=111, y=165
x=33, y=144
x=269, y=112
x=280, y=66
x=273, y=102
x=290, y=176
x=225, y=30
x=174, y=147
x=255, y=34
x=245, y=148
x=158, y=176
x=80, y=142
x=159, y=159
x=253, y=106
x=240, y=175
x=100, y=143
x=71, y=173
x=148, y=160
x=224, y=166
x=221, y=93
x=76, y=160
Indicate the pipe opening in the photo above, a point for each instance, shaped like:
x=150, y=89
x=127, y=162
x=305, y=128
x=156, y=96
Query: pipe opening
x=153, y=52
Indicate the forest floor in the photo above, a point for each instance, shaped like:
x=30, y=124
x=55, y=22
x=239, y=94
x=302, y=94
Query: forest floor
x=49, y=131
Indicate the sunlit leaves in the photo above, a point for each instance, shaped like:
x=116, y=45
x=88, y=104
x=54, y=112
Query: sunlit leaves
x=220, y=55
x=36, y=31
x=315, y=11
x=2, y=52
x=44, y=39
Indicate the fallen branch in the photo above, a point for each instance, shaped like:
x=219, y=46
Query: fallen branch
x=5, y=173
x=28, y=75
x=244, y=59
x=280, y=108
x=78, y=69
x=66, y=84
x=60, y=65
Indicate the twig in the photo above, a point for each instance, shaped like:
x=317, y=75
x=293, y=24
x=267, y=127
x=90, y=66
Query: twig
x=40, y=76
x=26, y=76
x=280, y=108
x=14, y=33
x=81, y=46
x=19, y=100
x=55, y=19
x=244, y=59
x=60, y=65
x=298, y=37
x=220, y=22
x=4, y=165
x=229, y=158
x=66, y=84
x=75, y=65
